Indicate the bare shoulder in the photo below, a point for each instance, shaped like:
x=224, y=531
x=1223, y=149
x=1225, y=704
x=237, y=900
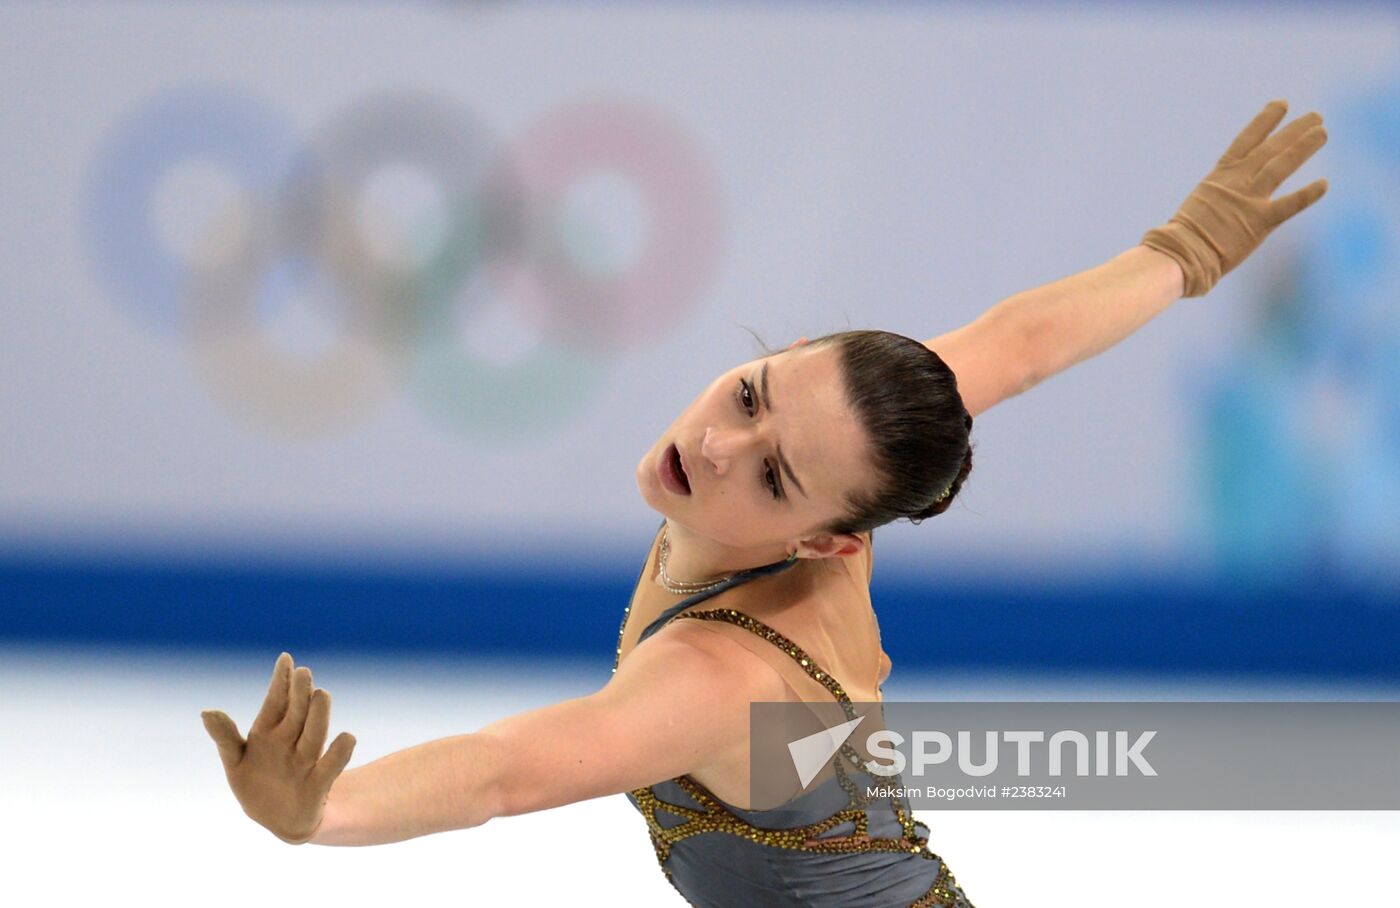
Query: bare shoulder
x=699, y=657
x=678, y=703
x=694, y=680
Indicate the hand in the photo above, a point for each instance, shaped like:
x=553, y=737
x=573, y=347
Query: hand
x=1229, y=214
x=279, y=775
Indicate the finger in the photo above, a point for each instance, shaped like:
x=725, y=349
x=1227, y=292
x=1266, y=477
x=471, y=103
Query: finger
x=275, y=705
x=318, y=720
x=1286, y=136
x=297, y=702
x=1262, y=124
x=225, y=734
x=1290, y=205
x=1289, y=160
x=333, y=763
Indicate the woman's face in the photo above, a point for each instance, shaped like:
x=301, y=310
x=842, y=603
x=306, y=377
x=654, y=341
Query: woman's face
x=770, y=450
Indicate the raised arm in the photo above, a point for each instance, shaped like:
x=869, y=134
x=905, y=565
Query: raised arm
x=1037, y=333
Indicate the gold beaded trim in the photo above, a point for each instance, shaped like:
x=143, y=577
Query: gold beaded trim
x=808, y=664
x=945, y=893
x=822, y=677
x=620, y=633
x=714, y=817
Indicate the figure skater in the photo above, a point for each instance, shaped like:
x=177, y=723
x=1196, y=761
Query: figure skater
x=756, y=589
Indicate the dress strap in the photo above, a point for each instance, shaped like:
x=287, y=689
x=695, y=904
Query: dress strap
x=847, y=753
x=798, y=655
x=742, y=577
x=856, y=799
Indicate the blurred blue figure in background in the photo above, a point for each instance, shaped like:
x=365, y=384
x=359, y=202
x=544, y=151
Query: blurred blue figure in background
x=1300, y=429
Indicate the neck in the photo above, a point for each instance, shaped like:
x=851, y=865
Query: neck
x=695, y=558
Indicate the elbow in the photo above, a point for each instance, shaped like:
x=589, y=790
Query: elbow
x=1013, y=355
x=493, y=789
x=520, y=775
x=1016, y=372
x=1014, y=384
x=1029, y=346
x=1028, y=378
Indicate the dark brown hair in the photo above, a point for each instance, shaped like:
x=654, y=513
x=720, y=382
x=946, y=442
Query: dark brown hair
x=907, y=400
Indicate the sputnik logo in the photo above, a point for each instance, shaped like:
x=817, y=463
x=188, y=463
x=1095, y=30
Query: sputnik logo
x=811, y=753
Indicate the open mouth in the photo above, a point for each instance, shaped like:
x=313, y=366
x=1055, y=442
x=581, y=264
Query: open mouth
x=677, y=469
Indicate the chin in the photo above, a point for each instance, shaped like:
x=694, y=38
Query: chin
x=639, y=476
x=646, y=484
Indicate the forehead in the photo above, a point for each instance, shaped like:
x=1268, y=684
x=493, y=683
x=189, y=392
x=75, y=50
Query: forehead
x=820, y=436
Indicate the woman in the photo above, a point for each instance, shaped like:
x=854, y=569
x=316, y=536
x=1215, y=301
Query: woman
x=771, y=483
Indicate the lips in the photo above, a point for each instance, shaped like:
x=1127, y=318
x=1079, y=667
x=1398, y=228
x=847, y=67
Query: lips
x=680, y=462
x=672, y=472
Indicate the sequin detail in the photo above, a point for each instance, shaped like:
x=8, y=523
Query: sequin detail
x=713, y=816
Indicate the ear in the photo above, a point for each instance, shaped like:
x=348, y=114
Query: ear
x=800, y=342
x=828, y=546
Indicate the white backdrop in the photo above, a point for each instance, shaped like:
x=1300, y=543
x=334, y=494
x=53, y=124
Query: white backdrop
x=900, y=167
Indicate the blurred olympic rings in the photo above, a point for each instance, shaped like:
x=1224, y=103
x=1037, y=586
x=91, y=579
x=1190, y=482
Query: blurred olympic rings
x=301, y=216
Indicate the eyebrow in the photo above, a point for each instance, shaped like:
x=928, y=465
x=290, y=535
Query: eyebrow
x=782, y=461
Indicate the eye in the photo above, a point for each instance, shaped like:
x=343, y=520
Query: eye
x=744, y=395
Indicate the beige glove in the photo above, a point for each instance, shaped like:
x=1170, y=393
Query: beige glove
x=1229, y=214
x=279, y=775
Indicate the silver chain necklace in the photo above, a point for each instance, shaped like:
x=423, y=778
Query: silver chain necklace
x=689, y=587
x=683, y=587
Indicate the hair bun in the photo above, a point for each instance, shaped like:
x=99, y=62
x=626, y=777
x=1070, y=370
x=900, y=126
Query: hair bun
x=917, y=426
x=942, y=504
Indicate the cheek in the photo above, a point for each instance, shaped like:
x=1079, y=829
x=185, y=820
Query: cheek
x=741, y=529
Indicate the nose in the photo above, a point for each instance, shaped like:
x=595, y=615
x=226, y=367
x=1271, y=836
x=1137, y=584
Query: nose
x=720, y=446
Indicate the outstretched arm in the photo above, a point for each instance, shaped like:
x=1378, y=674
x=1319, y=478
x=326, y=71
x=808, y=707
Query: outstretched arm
x=677, y=702
x=1037, y=333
